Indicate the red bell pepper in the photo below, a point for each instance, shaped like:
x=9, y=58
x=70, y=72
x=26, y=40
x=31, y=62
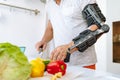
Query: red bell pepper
x=56, y=66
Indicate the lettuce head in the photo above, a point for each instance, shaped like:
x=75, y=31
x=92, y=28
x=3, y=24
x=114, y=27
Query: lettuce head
x=14, y=65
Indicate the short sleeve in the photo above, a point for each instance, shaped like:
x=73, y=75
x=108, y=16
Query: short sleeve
x=86, y=2
x=47, y=11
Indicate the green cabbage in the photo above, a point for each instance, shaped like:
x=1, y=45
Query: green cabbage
x=14, y=65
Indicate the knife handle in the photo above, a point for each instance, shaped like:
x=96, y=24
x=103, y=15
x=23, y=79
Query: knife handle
x=67, y=59
x=40, y=49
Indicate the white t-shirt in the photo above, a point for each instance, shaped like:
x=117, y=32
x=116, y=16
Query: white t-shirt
x=67, y=23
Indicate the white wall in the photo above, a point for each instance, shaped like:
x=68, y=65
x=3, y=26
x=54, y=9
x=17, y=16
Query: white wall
x=113, y=14
x=111, y=9
x=21, y=27
x=101, y=43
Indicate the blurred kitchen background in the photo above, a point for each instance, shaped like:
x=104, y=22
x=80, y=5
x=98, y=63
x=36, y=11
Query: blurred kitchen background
x=23, y=22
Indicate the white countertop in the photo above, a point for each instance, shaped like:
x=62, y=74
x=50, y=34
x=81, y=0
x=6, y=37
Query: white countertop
x=78, y=73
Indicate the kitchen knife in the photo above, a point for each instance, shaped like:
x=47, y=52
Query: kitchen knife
x=40, y=51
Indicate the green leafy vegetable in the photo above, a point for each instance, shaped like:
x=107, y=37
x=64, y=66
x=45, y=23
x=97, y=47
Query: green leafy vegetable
x=14, y=65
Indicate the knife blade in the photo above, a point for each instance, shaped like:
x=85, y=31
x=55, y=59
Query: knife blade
x=40, y=51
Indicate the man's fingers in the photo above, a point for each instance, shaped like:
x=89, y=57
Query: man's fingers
x=58, y=54
x=63, y=57
x=44, y=46
x=55, y=56
x=52, y=54
x=37, y=46
x=59, y=57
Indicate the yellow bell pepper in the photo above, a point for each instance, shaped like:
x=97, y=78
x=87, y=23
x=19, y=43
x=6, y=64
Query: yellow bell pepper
x=38, y=67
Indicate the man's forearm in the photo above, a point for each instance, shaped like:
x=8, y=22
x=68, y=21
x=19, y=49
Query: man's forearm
x=48, y=35
x=92, y=28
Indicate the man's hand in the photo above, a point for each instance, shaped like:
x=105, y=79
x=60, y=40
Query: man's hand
x=40, y=44
x=60, y=52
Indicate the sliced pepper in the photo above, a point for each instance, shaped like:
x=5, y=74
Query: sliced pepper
x=56, y=66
